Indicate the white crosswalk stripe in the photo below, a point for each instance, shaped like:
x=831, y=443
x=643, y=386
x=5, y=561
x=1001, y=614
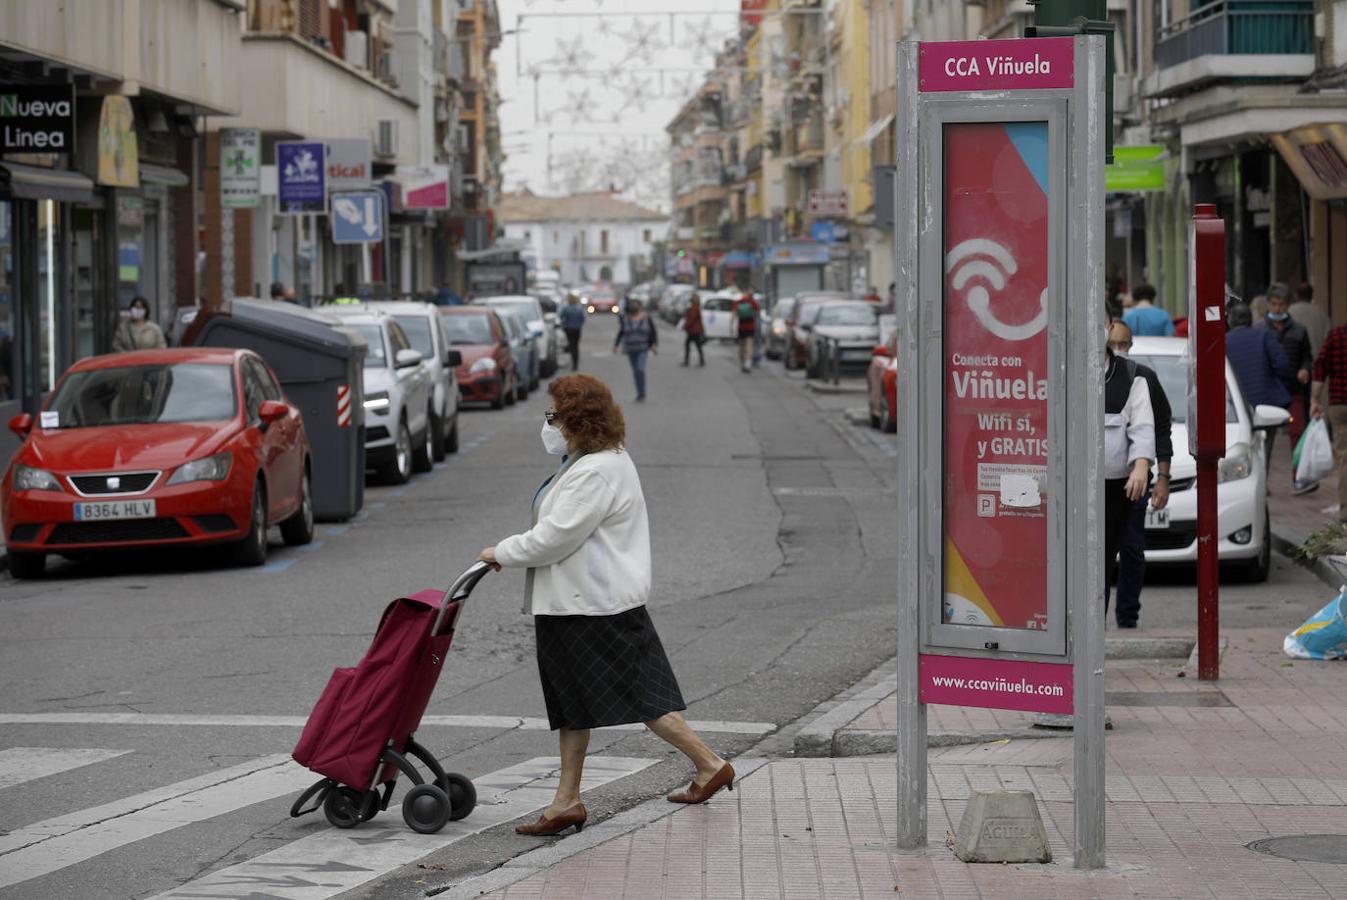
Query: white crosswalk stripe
x=331, y=861
x=20, y=764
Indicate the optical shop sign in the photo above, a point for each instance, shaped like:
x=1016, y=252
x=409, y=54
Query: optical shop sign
x=37, y=118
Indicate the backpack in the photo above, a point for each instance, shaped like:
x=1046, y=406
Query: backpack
x=744, y=310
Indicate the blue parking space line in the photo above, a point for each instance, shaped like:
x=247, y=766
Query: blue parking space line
x=379, y=504
x=279, y=565
x=313, y=545
x=398, y=493
x=336, y=530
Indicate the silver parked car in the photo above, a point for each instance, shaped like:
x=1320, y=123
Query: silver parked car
x=398, y=394
x=848, y=328
x=421, y=322
x=542, y=331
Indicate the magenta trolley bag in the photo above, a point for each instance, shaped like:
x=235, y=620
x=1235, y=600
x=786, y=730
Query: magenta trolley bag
x=360, y=733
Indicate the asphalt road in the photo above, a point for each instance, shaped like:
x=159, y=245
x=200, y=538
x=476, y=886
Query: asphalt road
x=179, y=682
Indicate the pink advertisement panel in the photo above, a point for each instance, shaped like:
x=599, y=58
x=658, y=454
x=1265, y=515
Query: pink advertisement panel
x=1024, y=64
x=996, y=370
x=996, y=684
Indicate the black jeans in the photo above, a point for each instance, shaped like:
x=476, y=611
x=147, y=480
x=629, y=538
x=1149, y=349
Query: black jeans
x=573, y=347
x=693, y=340
x=1117, y=509
x=1132, y=562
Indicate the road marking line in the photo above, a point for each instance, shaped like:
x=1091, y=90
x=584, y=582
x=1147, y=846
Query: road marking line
x=326, y=861
x=335, y=530
x=45, y=847
x=271, y=568
x=20, y=764
x=520, y=723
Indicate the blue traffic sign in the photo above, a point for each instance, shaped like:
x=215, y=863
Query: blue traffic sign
x=823, y=232
x=358, y=217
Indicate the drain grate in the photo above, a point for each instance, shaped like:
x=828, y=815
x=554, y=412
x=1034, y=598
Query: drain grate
x=1167, y=698
x=1322, y=848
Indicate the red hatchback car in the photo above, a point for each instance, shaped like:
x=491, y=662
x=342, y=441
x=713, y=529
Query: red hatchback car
x=487, y=370
x=155, y=447
x=882, y=381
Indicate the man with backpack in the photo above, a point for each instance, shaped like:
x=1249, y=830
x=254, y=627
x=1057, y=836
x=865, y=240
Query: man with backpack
x=746, y=311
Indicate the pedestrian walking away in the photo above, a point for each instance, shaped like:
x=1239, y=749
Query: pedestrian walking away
x=746, y=312
x=1259, y=363
x=1328, y=393
x=694, y=331
x=1132, y=554
x=572, y=322
x=136, y=331
x=587, y=556
x=636, y=336
x=1129, y=448
x=1144, y=318
x=1295, y=342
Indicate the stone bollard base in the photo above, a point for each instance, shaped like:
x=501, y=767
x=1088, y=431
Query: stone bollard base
x=1002, y=827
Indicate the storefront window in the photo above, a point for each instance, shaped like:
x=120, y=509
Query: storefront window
x=86, y=270
x=8, y=323
x=48, y=286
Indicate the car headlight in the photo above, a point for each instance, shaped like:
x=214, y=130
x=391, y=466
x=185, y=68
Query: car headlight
x=485, y=364
x=212, y=468
x=376, y=401
x=778, y=329
x=26, y=478
x=591, y=309
x=1237, y=464
x=614, y=307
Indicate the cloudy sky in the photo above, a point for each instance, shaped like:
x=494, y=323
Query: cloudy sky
x=589, y=85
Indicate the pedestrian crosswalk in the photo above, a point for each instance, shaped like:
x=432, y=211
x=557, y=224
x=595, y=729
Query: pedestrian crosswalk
x=320, y=862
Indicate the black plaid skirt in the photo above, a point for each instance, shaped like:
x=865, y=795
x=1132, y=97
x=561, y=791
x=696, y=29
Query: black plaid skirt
x=604, y=670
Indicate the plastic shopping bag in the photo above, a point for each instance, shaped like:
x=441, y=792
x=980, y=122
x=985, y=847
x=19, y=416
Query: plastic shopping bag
x=1324, y=634
x=1316, y=453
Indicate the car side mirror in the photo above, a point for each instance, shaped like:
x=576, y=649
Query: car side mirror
x=21, y=425
x=405, y=359
x=271, y=410
x=1266, y=416
x=882, y=350
x=453, y=359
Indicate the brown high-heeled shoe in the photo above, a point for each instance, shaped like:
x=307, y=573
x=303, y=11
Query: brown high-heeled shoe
x=576, y=816
x=701, y=793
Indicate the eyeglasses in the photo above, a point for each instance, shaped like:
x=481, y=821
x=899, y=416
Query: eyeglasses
x=549, y=416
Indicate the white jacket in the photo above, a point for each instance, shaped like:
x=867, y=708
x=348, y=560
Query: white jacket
x=588, y=552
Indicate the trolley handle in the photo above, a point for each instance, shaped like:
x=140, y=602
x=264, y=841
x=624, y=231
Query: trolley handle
x=460, y=589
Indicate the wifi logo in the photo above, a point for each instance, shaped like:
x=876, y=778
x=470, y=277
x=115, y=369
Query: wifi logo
x=982, y=266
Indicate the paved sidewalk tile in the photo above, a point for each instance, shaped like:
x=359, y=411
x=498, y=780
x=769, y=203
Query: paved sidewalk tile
x=1303, y=515
x=1187, y=788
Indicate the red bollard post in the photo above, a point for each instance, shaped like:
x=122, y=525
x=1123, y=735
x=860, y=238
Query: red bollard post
x=1206, y=417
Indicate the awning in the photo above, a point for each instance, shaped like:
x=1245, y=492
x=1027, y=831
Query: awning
x=875, y=128
x=1318, y=155
x=37, y=183
x=165, y=175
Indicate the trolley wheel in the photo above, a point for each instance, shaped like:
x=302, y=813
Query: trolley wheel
x=344, y=807
x=462, y=795
x=426, y=808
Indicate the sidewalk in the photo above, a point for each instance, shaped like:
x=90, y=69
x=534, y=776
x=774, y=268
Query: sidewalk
x=1295, y=518
x=1195, y=773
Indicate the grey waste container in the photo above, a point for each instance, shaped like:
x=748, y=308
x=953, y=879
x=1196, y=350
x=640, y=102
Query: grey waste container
x=320, y=364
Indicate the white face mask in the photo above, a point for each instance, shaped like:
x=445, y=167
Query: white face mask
x=554, y=442
x=137, y=314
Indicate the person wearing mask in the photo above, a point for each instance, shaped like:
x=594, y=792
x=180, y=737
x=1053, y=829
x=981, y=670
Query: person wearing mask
x=1146, y=319
x=587, y=556
x=572, y=321
x=746, y=312
x=694, y=331
x=637, y=337
x=1311, y=317
x=1132, y=554
x=1295, y=343
x=136, y=331
x=1328, y=398
x=1259, y=363
x=1129, y=448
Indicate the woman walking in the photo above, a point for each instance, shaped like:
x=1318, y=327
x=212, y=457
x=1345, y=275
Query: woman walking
x=588, y=560
x=694, y=331
x=636, y=336
x=136, y=331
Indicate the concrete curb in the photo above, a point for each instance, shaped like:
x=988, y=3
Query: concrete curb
x=1287, y=541
x=864, y=742
x=535, y=861
x=823, y=388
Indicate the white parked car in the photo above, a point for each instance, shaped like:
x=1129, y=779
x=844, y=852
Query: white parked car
x=398, y=394
x=718, y=314
x=421, y=323
x=1242, y=531
x=544, y=332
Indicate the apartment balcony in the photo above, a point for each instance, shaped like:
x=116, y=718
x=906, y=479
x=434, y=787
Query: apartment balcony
x=1264, y=40
x=806, y=143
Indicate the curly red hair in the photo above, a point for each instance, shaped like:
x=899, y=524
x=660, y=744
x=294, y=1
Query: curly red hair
x=586, y=408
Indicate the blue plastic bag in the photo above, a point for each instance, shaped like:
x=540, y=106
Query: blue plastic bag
x=1324, y=634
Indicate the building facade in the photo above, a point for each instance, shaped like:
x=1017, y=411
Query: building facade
x=583, y=237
